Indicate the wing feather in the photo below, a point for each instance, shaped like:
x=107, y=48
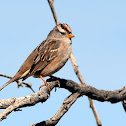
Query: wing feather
x=46, y=53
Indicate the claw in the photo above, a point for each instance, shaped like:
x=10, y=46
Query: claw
x=41, y=86
x=47, y=85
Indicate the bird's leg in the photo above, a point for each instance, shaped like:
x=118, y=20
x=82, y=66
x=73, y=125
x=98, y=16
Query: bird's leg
x=47, y=85
x=43, y=79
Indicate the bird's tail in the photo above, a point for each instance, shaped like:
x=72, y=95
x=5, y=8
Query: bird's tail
x=16, y=77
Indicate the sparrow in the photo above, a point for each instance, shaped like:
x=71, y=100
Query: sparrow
x=48, y=57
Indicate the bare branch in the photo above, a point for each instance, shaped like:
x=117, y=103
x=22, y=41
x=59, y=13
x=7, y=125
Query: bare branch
x=29, y=100
x=43, y=95
x=92, y=105
x=53, y=11
x=63, y=109
x=29, y=85
x=76, y=69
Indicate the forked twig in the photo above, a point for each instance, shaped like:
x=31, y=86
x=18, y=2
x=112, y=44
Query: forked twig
x=29, y=85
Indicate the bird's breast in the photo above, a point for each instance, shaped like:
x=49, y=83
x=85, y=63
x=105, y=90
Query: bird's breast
x=55, y=65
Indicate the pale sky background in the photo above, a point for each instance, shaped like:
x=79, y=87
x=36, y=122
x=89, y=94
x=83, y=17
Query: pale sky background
x=99, y=47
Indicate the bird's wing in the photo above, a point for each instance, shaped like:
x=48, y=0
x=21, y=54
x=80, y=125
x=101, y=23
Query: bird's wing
x=45, y=54
x=37, y=60
x=26, y=66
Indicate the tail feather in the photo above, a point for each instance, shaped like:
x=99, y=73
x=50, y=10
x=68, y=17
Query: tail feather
x=16, y=77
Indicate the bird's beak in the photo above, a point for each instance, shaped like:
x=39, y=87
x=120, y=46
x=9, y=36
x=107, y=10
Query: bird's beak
x=70, y=35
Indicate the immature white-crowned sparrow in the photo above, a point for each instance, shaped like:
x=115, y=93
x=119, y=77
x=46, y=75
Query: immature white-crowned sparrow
x=48, y=57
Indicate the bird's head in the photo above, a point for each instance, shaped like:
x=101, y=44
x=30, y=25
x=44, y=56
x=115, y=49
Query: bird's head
x=62, y=31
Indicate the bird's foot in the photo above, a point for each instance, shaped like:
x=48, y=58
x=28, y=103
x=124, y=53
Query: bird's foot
x=47, y=85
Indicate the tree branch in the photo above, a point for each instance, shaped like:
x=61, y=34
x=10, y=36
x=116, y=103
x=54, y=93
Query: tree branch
x=43, y=95
x=92, y=105
x=53, y=11
x=63, y=109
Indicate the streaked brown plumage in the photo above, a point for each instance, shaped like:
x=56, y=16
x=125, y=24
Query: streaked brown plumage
x=49, y=57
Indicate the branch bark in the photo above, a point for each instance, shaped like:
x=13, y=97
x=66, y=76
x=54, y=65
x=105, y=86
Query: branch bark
x=63, y=109
x=77, y=90
x=77, y=72
x=53, y=11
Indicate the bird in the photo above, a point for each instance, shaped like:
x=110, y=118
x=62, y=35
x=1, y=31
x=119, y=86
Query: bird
x=48, y=57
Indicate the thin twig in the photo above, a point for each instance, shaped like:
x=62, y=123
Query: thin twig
x=53, y=11
x=29, y=85
x=76, y=70
x=92, y=105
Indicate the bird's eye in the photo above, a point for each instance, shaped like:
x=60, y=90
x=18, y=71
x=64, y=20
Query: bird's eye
x=63, y=33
